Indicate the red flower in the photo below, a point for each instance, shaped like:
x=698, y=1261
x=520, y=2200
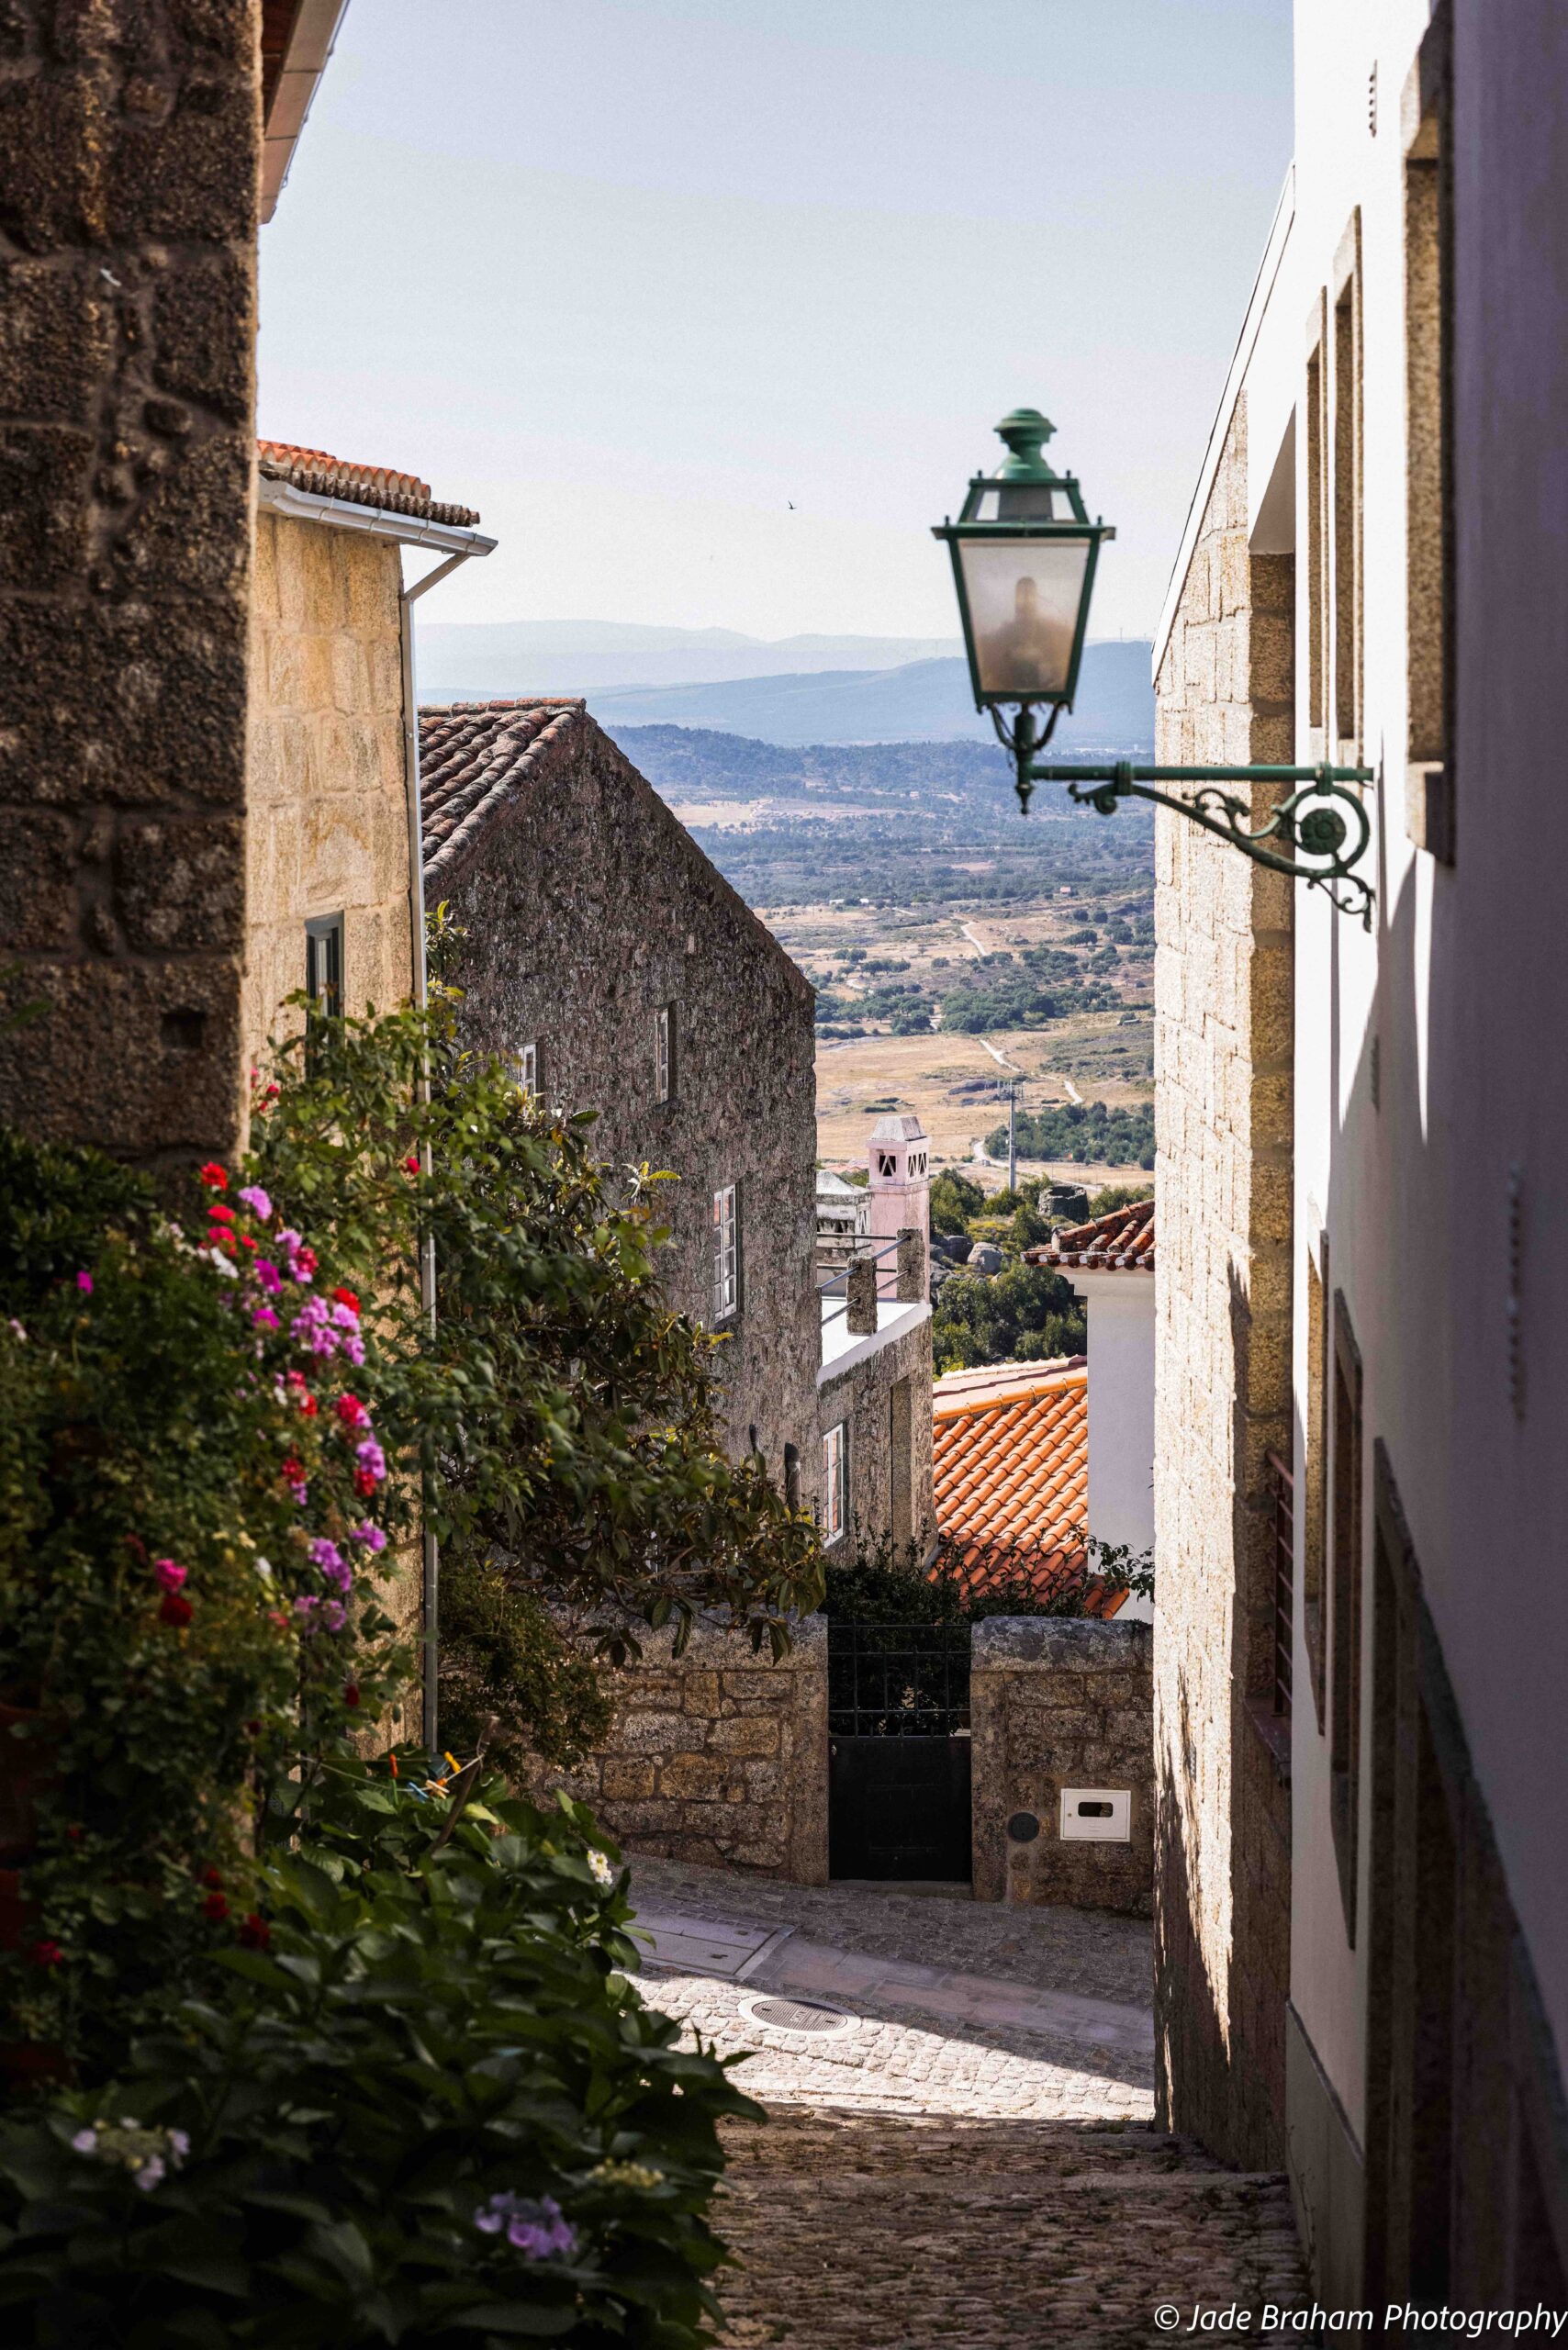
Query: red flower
x=246, y=1241
x=219, y=1214
x=74, y=1834
x=215, y=1908
x=213, y=1175
x=350, y=1693
x=411, y=1165
x=365, y=1484
x=346, y=1297
x=305, y=1262
x=276, y=1616
x=351, y=1412
x=213, y=1877
x=270, y=1094
x=293, y=1471
x=221, y=1238
x=47, y=1953
x=255, y=1933
x=176, y=1609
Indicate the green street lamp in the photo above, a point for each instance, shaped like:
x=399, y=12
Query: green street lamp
x=1025, y=554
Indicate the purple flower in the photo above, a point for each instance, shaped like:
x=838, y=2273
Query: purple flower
x=371, y=1536
x=371, y=1458
x=345, y=1318
x=307, y=1604
x=84, y=1283
x=334, y=1615
x=85, y=2142
x=267, y=1273
x=323, y=1553
x=256, y=1199
x=534, y=2228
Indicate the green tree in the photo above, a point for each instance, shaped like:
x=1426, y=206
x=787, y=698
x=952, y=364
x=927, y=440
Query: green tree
x=1025, y=1314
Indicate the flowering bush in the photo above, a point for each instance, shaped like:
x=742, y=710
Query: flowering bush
x=185, y=1600
x=434, y=2110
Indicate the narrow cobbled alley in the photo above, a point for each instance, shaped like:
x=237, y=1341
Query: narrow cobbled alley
x=961, y=2146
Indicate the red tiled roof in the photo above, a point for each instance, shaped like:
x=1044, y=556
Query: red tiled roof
x=1011, y=1462
x=474, y=757
x=375, y=486
x=1122, y=1241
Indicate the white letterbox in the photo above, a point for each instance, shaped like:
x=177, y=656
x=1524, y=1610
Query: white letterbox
x=1096, y=1816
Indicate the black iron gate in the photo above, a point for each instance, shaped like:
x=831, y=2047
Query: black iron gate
x=899, y=1725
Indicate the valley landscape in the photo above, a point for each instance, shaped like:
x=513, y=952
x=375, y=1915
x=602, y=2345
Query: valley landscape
x=848, y=790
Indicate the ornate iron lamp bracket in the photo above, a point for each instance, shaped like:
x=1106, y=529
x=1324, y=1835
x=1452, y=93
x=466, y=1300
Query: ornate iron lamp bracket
x=1318, y=833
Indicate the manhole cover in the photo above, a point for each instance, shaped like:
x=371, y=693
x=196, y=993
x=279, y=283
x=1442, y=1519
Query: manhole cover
x=797, y=2015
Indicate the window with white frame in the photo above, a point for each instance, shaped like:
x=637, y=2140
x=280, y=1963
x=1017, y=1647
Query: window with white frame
x=835, y=1483
x=526, y=1066
x=664, y=1053
x=726, y=1253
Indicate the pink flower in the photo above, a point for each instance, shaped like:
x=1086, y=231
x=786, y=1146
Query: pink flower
x=371, y=1536
x=170, y=1576
x=264, y=1318
x=268, y=1275
x=256, y=1199
x=334, y=1615
x=333, y=1567
x=84, y=1283
x=302, y=1265
x=371, y=1458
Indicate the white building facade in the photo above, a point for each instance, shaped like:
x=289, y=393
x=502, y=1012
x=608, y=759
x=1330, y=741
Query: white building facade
x=1361, y=1479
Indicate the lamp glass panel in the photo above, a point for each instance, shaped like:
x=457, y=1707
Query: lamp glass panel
x=1023, y=596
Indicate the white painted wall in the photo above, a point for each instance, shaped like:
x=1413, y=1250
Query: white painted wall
x=1121, y=1412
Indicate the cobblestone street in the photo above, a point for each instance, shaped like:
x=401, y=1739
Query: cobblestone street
x=961, y=2146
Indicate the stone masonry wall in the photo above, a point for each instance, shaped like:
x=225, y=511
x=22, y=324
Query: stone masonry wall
x=329, y=826
x=129, y=142
x=588, y=906
x=1223, y=1066
x=718, y=1756
x=862, y=1396
x=1057, y=1704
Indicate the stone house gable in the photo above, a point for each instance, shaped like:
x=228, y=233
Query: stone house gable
x=615, y=970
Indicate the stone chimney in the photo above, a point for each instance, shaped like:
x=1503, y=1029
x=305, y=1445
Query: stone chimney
x=899, y=1162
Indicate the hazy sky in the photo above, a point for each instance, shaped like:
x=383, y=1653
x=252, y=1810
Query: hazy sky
x=634, y=276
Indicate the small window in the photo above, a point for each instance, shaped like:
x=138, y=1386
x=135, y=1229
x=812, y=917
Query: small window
x=526, y=1066
x=664, y=1053
x=887, y=1163
x=324, y=964
x=835, y=1483
x=726, y=1253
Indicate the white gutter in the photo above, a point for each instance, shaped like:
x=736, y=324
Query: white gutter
x=1258, y=303
x=316, y=28
x=379, y=522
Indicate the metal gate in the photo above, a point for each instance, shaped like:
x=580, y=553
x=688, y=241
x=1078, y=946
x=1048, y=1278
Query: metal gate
x=899, y=1725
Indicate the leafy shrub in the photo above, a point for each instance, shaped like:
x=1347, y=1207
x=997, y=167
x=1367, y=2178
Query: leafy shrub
x=432, y=2109
x=186, y=1535
x=954, y=1199
x=1082, y=1133
x=1025, y=1314
x=879, y=1582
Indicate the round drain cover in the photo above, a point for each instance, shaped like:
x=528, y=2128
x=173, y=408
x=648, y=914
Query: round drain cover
x=797, y=2015
x=1022, y=1827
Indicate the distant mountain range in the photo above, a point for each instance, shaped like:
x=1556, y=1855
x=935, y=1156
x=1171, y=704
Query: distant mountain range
x=487, y=660
x=924, y=700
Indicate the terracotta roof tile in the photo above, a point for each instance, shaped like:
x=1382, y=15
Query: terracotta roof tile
x=475, y=756
x=375, y=486
x=1011, y=1463
x=1122, y=1241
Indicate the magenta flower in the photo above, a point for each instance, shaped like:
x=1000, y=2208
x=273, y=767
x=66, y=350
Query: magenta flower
x=257, y=1201
x=264, y=1318
x=84, y=1283
x=169, y=1577
x=371, y=1536
x=334, y=1615
x=307, y=1604
x=268, y=1274
x=371, y=1458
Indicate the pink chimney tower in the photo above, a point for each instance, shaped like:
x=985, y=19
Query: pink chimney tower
x=900, y=1161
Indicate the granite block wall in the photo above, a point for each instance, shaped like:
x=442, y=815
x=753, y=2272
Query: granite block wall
x=329, y=825
x=718, y=1756
x=1057, y=1704
x=129, y=140
x=1224, y=1049
x=861, y=1394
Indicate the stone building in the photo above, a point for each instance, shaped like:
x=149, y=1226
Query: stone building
x=1361, y=1297
x=332, y=896
x=609, y=965
x=131, y=153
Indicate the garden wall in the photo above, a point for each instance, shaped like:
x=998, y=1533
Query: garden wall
x=718, y=1756
x=1061, y=1703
